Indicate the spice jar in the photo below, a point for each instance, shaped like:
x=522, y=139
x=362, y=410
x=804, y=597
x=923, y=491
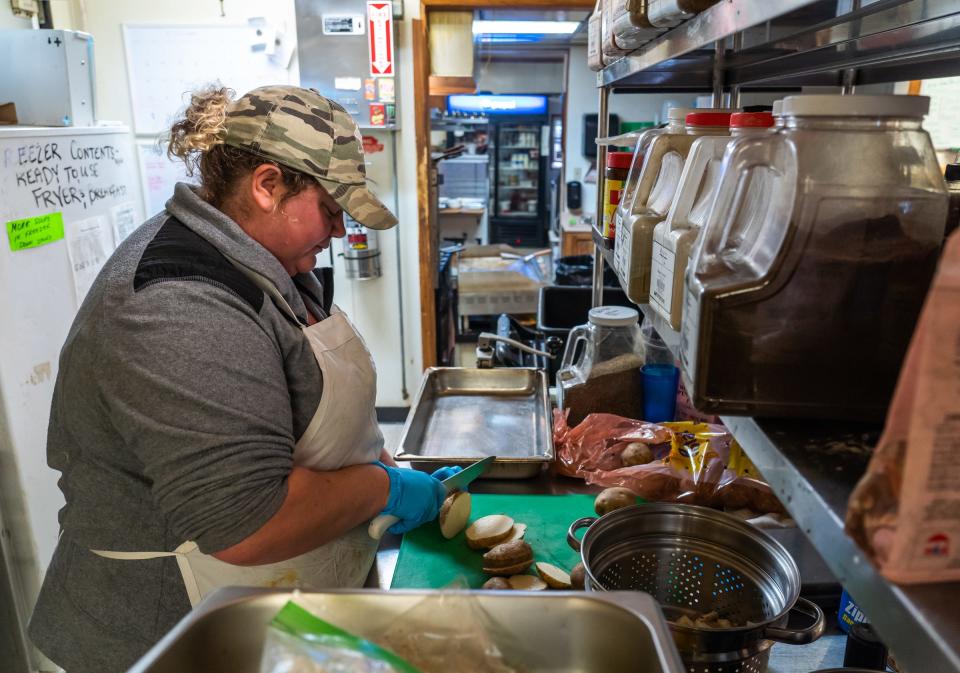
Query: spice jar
x=659, y=178
x=813, y=263
x=615, y=175
x=600, y=370
x=674, y=238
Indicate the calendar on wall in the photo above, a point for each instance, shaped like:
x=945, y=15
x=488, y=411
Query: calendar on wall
x=166, y=62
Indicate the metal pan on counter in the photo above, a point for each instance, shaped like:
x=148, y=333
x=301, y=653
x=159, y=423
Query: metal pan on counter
x=558, y=632
x=461, y=415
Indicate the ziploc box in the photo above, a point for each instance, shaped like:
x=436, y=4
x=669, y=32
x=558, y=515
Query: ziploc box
x=849, y=613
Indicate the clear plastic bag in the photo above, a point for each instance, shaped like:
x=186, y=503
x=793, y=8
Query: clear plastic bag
x=300, y=642
x=451, y=631
x=688, y=462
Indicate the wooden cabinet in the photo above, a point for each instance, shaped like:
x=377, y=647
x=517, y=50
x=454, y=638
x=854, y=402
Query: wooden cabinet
x=575, y=242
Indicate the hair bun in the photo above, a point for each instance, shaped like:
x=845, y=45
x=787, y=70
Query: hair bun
x=200, y=126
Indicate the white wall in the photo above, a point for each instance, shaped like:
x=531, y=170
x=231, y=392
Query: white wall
x=374, y=305
x=8, y=20
x=60, y=9
x=408, y=211
x=583, y=98
x=520, y=77
x=104, y=18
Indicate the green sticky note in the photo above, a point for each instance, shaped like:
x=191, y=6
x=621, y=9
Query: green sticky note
x=35, y=231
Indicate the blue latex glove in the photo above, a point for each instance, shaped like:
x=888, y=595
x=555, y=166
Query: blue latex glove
x=446, y=472
x=415, y=498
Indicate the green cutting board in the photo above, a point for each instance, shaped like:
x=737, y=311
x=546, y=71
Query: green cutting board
x=428, y=561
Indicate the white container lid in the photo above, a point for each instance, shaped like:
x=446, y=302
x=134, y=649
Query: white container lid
x=777, y=107
x=679, y=114
x=613, y=316
x=856, y=106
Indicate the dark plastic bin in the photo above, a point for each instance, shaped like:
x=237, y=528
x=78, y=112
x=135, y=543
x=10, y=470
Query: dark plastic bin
x=577, y=271
x=563, y=308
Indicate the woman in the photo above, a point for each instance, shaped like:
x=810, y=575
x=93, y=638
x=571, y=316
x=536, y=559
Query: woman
x=213, y=420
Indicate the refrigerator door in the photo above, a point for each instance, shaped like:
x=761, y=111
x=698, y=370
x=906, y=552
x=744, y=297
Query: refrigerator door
x=519, y=189
x=518, y=185
x=67, y=196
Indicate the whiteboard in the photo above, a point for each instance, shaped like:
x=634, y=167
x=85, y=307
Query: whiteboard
x=943, y=120
x=158, y=174
x=88, y=177
x=165, y=62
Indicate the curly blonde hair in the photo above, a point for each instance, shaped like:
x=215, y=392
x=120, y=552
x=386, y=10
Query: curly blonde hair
x=196, y=138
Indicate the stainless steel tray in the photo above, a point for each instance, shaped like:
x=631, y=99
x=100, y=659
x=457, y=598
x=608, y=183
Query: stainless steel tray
x=560, y=631
x=461, y=415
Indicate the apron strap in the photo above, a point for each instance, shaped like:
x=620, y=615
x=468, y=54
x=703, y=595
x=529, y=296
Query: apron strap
x=267, y=286
x=180, y=553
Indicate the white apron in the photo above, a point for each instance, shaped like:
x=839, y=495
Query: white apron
x=342, y=432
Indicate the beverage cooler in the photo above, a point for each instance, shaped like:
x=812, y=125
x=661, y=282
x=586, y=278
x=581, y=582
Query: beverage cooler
x=518, y=180
x=519, y=184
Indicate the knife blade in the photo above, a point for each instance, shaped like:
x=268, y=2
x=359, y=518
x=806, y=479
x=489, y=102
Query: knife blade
x=464, y=477
x=459, y=481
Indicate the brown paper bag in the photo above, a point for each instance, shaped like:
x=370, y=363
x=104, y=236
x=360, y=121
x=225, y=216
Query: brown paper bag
x=905, y=512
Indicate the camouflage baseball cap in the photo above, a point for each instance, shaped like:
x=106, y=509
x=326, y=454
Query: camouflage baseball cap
x=301, y=129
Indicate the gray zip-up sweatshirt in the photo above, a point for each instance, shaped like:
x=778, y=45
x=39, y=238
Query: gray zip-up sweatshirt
x=181, y=392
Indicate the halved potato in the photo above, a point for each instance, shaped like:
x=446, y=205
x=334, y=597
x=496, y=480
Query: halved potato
x=507, y=571
x=527, y=583
x=552, y=575
x=508, y=558
x=497, y=584
x=519, y=530
x=454, y=513
x=489, y=531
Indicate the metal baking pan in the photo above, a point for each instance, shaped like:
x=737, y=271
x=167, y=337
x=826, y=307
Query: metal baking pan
x=550, y=632
x=462, y=415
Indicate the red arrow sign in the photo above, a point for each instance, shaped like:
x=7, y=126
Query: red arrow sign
x=380, y=37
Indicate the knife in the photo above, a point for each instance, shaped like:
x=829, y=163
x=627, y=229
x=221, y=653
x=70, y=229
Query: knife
x=457, y=482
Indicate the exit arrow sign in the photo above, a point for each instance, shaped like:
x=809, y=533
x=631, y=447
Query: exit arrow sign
x=380, y=37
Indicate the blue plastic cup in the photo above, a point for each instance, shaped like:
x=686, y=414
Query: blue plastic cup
x=660, y=382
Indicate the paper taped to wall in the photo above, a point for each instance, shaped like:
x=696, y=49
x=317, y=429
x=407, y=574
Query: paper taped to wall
x=88, y=245
x=124, y=219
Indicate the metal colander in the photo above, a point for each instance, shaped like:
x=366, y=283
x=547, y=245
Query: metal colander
x=695, y=560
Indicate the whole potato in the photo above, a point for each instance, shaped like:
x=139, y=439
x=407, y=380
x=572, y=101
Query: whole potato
x=578, y=577
x=636, y=453
x=613, y=498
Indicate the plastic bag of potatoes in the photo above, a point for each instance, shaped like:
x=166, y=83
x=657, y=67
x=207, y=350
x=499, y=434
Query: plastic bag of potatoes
x=667, y=462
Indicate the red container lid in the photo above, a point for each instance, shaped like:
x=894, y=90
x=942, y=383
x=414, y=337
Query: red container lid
x=751, y=120
x=708, y=119
x=619, y=159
